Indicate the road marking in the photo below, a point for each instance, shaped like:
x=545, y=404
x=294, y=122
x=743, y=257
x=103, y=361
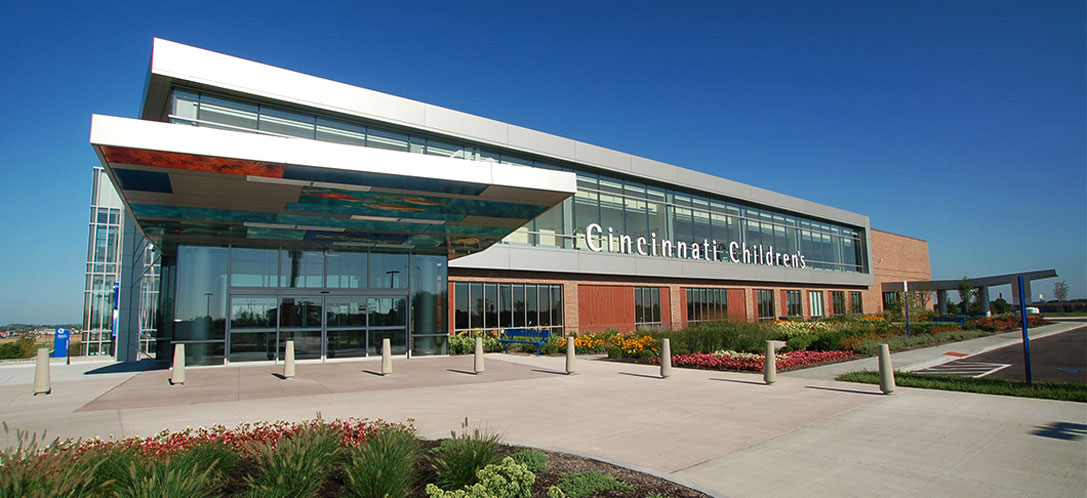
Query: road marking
x=952, y=353
x=975, y=369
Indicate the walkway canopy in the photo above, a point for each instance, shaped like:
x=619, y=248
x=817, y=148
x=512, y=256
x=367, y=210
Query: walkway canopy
x=198, y=185
x=981, y=283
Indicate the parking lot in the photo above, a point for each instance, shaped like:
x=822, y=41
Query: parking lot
x=1060, y=357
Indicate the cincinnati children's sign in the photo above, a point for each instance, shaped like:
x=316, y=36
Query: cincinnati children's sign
x=707, y=250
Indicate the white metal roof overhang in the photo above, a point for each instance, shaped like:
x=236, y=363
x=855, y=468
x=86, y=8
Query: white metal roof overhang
x=198, y=185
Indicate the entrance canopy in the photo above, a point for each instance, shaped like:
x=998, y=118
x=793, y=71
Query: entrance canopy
x=198, y=185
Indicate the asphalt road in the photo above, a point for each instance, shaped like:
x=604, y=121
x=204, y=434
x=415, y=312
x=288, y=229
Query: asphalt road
x=1060, y=357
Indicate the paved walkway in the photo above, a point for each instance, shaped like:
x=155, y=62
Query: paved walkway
x=723, y=432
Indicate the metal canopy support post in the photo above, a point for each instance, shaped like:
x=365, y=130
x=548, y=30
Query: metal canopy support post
x=1026, y=337
x=906, y=295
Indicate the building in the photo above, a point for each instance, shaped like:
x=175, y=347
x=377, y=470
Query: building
x=104, y=271
x=286, y=206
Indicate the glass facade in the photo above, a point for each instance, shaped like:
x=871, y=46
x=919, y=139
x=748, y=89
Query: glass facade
x=103, y=266
x=647, y=307
x=815, y=303
x=631, y=207
x=856, y=303
x=104, y=269
x=242, y=304
x=764, y=299
x=837, y=299
x=792, y=303
x=707, y=305
x=491, y=307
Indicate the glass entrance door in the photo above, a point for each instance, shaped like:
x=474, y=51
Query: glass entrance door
x=345, y=326
x=301, y=319
x=253, y=325
x=388, y=318
x=321, y=326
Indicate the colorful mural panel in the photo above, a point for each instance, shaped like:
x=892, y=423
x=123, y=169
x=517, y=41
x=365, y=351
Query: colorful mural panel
x=176, y=160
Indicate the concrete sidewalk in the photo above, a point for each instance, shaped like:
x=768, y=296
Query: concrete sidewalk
x=724, y=432
x=918, y=359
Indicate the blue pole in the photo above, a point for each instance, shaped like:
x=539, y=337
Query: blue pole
x=1026, y=337
x=906, y=294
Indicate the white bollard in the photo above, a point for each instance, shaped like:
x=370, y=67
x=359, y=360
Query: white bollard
x=178, y=375
x=570, y=354
x=42, y=384
x=386, y=357
x=288, y=360
x=886, y=371
x=666, y=358
x=770, y=364
x=479, y=355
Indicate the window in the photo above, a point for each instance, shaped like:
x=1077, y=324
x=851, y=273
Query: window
x=707, y=305
x=792, y=303
x=493, y=307
x=838, y=300
x=647, y=307
x=892, y=300
x=856, y=303
x=815, y=303
x=765, y=300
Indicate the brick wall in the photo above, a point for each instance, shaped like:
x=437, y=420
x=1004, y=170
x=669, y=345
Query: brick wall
x=895, y=258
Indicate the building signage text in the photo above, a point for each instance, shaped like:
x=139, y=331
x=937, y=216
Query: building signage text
x=707, y=250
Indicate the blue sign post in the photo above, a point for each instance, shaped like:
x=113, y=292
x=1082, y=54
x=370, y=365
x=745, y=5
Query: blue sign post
x=116, y=315
x=1026, y=337
x=60, y=342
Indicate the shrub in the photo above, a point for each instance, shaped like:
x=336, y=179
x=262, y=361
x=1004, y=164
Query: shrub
x=385, y=466
x=800, y=342
x=23, y=347
x=194, y=472
x=534, y=460
x=295, y=466
x=177, y=477
x=870, y=346
x=465, y=342
x=584, y=484
x=459, y=458
x=32, y=470
x=506, y=480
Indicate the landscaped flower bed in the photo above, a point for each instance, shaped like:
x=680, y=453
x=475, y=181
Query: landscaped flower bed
x=313, y=458
x=751, y=362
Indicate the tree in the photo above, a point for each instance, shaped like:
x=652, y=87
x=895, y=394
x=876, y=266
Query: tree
x=1060, y=293
x=965, y=292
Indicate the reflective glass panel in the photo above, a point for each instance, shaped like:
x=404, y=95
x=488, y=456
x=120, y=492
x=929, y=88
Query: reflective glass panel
x=303, y=312
x=345, y=311
x=346, y=270
x=388, y=270
x=200, y=312
x=254, y=267
x=302, y=269
x=253, y=313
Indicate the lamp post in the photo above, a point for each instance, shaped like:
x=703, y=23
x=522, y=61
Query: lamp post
x=392, y=278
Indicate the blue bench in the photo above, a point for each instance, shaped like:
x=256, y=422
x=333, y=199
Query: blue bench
x=525, y=336
x=947, y=319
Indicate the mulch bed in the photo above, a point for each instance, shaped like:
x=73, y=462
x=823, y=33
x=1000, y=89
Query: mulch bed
x=565, y=463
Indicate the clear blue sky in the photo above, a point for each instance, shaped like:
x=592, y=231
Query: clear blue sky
x=961, y=123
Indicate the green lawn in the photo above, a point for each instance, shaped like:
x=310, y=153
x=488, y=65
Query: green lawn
x=1063, y=391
